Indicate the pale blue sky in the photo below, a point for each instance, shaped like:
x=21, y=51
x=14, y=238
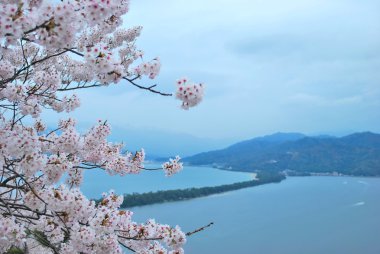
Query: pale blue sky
x=309, y=66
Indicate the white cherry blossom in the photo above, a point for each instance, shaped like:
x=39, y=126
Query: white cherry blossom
x=48, y=51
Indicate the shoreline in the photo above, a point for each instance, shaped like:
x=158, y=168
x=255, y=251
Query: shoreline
x=301, y=174
x=150, y=198
x=176, y=195
x=323, y=175
x=155, y=197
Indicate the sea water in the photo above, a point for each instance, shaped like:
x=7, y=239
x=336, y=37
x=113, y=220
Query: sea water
x=97, y=181
x=301, y=215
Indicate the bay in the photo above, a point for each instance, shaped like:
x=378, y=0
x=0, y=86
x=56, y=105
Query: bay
x=311, y=215
x=97, y=181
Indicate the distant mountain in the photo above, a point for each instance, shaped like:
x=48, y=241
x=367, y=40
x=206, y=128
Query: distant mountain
x=356, y=154
x=159, y=143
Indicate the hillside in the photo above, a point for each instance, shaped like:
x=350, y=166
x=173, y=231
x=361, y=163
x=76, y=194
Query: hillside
x=355, y=154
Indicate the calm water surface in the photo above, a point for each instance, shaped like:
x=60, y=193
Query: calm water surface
x=97, y=181
x=301, y=215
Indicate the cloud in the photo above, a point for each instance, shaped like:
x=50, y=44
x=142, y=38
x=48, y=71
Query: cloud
x=297, y=65
x=315, y=100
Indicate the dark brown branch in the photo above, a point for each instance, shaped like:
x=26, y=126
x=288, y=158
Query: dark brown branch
x=199, y=229
x=37, y=27
x=151, y=169
x=136, y=238
x=74, y=51
x=53, y=131
x=78, y=87
x=130, y=80
x=149, y=88
x=125, y=246
x=2, y=82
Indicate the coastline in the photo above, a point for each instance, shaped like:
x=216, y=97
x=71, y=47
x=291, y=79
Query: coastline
x=150, y=198
x=256, y=179
x=291, y=173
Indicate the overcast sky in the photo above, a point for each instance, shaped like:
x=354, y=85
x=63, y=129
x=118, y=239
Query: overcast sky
x=310, y=66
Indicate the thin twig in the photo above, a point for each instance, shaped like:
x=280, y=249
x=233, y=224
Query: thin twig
x=150, y=88
x=199, y=229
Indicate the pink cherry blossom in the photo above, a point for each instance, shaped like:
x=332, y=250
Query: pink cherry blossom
x=48, y=50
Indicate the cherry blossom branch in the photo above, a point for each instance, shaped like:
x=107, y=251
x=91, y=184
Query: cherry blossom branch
x=79, y=87
x=149, y=88
x=138, y=238
x=151, y=169
x=125, y=246
x=130, y=80
x=11, y=79
x=38, y=60
x=199, y=229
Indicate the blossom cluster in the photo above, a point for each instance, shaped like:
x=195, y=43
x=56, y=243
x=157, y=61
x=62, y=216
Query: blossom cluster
x=172, y=166
x=48, y=50
x=190, y=94
x=44, y=158
x=36, y=30
x=96, y=228
x=150, y=69
x=11, y=233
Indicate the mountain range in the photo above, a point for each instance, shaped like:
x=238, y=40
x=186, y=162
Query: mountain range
x=164, y=144
x=298, y=154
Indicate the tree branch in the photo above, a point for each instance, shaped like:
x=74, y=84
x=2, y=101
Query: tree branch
x=150, y=88
x=199, y=229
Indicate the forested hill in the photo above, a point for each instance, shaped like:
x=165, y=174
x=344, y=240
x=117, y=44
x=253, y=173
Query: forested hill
x=355, y=154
